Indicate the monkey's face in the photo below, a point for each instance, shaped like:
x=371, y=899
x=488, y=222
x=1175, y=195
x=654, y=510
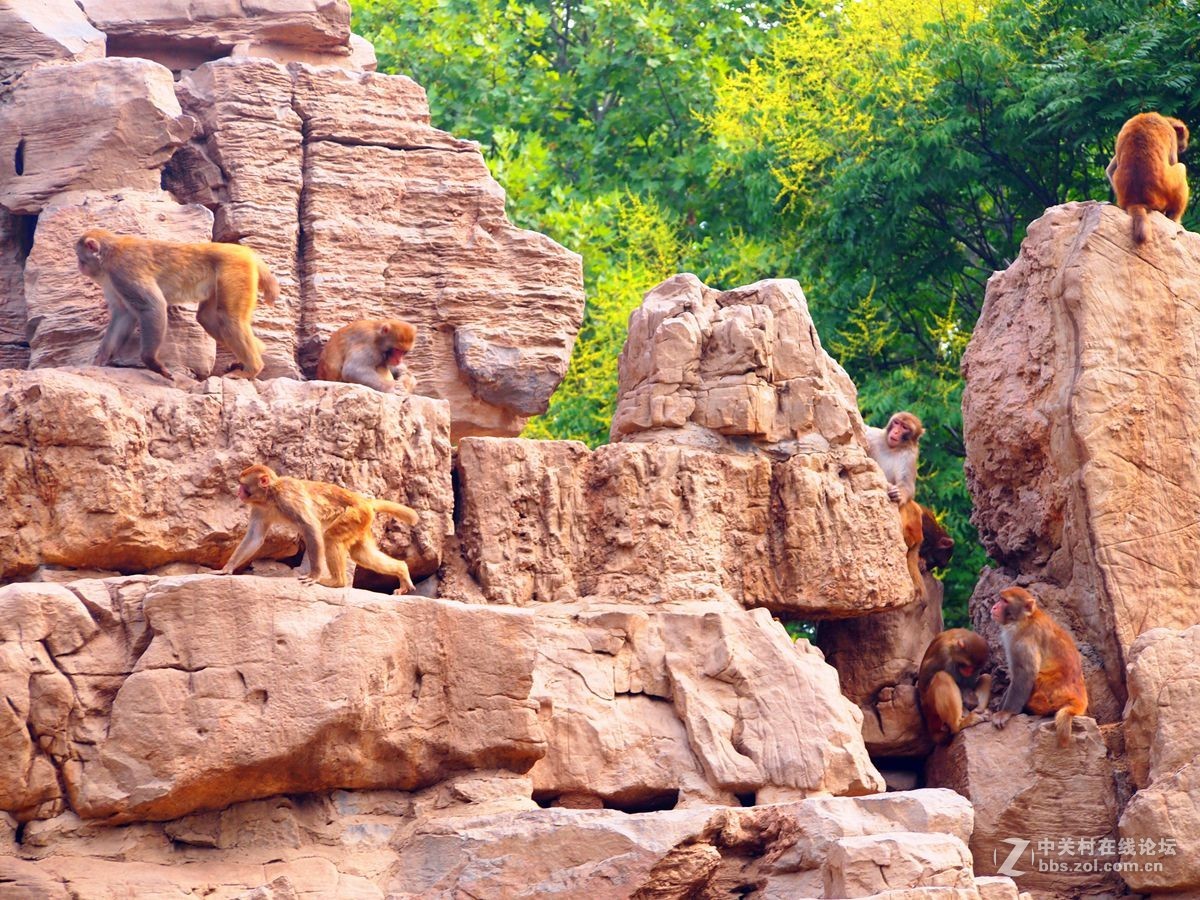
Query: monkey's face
x=898, y=434
x=1014, y=604
x=253, y=484
x=395, y=339
x=88, y=252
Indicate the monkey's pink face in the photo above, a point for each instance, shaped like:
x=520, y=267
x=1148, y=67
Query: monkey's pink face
x=395, y=357
x=89, y=262
x=243, y=493
x=1001, y=612
x=897, y=434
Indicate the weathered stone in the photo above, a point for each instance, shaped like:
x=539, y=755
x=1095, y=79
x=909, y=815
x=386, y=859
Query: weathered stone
x=66, y=311
x=36, y=31
x=866, y=865
x=245, y=161
x=639, y=715
x=1078, y=375
x=1025, y=788
x=96, y=125
x=1162, y=740
x=118, y=470
x=184, y=35
x=743, y=369
x=542, y=521
x=422, y=234
x=16, y=240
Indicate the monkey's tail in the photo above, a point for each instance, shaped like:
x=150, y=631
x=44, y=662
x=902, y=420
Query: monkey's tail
x=1139, y=213
x=405, y=514
x=1062, y=722
x=267, y=282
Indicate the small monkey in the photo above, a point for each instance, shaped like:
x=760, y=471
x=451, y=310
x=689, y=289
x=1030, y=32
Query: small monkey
x=331, y=520
x=370, y=352
x=953, y=664
x=140, y=277
x=936, y=544
x=1146, y=174
x=1044, y=666
x=895, y=449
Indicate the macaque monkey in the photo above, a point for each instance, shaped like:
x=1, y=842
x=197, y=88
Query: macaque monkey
x=1044, y=667
x=895, y=449
x=331, y=520
x=953, y=664
x=936, y=544
x=911, y=528
x=1146, y=173
x=370, y=352
x=140, y=277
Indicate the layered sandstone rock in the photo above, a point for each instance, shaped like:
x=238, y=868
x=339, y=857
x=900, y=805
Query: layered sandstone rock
x=113, y=469
x=1078, y=377
x=184, y=35
x=1059, y=805
x=94, y=125
x=878, y=658
x=43, y=31
x=740, y=369
x=542, y=521
x=139, y=698
x=16, y=240
x=64, y=308
x=453, y=842
x=1162, y=821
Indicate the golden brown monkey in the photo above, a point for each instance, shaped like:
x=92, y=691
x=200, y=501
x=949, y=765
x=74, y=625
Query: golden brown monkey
x=913, y=530
x=953, y=663
x=1146, y=174
x=370, y=352
x=1044, y=666
x=936, y=544
x=895, y=449
x=140, y=277
x=332, y=521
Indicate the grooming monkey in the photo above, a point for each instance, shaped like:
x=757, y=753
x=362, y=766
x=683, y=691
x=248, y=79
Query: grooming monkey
x=1146, y=174
x=140, y=277
x=370, y=352
x=953, y=663
x=332, y=521
x=936, y=544
x=1044, y=666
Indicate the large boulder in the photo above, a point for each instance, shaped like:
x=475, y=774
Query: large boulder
x=1079, y=376
x=1161, y=824
x=119, y=470
x=1039, y=809
x=38, y=31
x=94, y=125
x=542, y=521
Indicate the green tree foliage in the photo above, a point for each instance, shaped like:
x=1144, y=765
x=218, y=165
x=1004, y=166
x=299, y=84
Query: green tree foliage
x=888, y=153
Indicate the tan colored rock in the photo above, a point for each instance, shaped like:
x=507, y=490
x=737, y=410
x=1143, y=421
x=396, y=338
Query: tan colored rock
x=1077, y=379
x=866, y=865
x=996, y=887
x=1025, y=788
x=542, y=521
x=16, y=240
x=66, y=311
x=115, y=469
x=97, y=125
x=878, y=658
x=36, y=31
x=245, y=160
x=637, y=715
x=421, y=235
x=435, y=844
x=182, y=35
x=736, y=369
x=1161, y=740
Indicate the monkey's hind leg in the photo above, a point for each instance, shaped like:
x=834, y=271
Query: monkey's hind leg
x=231, y=312
x=947, y=703
x=367, y=553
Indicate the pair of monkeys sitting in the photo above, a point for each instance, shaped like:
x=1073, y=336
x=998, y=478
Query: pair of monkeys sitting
x=141, y=277
x=1044, y=665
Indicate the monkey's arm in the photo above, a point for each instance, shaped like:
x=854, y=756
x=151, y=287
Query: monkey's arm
x=1112, y=167
x=404, y=379
x=1023, y=666
x=983, y=692
x=120, y=325
x=250, y=545
x=313, y=567
x=360, y=372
